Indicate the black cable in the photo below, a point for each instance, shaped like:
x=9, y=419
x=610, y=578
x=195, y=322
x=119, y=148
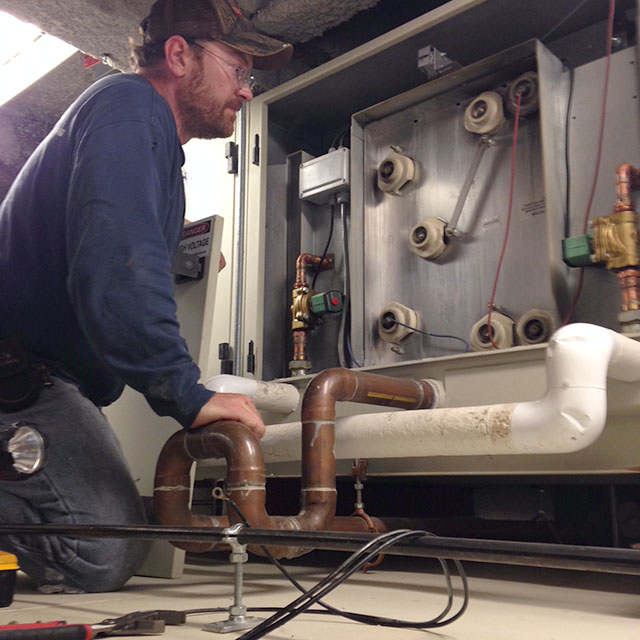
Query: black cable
x=339, y=575
x=344, y=335
x=357, y=617
x=567, y=159
x=289, y=612
x=349, y=348
x=326, y=249
x=362, y=617
x=431, y=335
x=328, y=608
x=561, y=22
x=338, y=139
x=367, y=618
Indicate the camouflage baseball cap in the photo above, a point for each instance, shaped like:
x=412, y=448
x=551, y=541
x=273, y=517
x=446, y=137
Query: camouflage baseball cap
x=213, y=20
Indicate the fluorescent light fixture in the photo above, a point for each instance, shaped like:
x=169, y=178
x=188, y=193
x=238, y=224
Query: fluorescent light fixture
x=26, y=54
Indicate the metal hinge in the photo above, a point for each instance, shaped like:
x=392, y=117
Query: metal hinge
x=231, y=154
x=256, y=150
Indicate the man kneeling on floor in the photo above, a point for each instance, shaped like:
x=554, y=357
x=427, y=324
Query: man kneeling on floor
x=87, y=234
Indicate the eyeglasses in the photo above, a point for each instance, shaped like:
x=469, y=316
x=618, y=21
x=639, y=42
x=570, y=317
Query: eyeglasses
x=243, y=76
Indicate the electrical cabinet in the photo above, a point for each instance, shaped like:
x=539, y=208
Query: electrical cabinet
x=376, y=102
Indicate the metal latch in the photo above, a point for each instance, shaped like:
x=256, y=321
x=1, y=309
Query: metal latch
x=187, y=266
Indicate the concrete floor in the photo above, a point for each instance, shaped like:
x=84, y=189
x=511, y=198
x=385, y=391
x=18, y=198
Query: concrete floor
x=507, y=603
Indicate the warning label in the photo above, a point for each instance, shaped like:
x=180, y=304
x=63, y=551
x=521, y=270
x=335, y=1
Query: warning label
x=196, y=239
x=534, y=208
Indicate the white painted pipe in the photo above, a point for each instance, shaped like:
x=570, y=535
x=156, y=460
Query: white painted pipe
x=569, y=417
x=278, y=397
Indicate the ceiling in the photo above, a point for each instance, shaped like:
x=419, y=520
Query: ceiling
x=103, y=28
x=319, y=30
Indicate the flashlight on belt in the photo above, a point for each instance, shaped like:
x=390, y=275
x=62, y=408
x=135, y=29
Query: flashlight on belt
x=21, y=451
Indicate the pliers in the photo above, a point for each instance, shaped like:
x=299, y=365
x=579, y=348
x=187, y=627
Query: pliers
x=138, y=623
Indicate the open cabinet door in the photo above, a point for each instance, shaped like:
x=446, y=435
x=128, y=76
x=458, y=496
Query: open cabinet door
x=141, y=432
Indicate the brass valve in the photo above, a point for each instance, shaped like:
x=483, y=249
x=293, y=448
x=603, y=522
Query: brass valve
x=615, y=240
x=300, y=309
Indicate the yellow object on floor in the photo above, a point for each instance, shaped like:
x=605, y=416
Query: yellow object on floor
x=8, y=568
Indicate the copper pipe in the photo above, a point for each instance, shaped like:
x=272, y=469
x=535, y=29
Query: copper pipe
x=318, y=428
x=245, y=481
x=172, y=487
x=627, y=180
x=629, y=281
x=301, y=321
x=300, y=344
x=307, y=260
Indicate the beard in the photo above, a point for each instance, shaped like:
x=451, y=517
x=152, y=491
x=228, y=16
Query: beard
x=203, y=114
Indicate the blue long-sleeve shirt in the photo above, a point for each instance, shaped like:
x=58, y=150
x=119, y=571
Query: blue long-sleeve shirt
x=87, y=234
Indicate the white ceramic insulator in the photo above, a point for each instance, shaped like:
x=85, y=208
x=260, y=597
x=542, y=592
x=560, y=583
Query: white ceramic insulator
x=397, y=333
x=433, y=245
x=402, y=171
x=545, y=325
x=485, y=114
x=502, y=327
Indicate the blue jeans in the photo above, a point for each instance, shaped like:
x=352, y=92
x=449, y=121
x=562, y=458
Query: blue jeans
x=85, y=480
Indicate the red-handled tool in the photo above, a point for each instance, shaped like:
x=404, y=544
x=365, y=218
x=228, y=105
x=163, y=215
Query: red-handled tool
x=146, y=623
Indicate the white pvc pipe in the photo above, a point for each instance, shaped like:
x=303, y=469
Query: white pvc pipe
x=278, y=397
x=569, y=417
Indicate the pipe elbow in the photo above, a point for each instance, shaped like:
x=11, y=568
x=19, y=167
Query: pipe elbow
x=578, y=355
x=564, y=421
x=627, y=180
x=245, y=473
x=324, y=391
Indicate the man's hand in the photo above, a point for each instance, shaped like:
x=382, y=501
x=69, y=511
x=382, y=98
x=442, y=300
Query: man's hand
x=231, y=406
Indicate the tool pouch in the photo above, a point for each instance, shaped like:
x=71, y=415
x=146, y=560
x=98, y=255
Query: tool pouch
x=21, y=380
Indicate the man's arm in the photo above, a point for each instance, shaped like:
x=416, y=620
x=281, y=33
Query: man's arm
x=120, y=232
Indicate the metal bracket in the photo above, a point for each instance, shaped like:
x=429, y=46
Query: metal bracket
x=435, y=63
x=451, y=229
x=238, y=619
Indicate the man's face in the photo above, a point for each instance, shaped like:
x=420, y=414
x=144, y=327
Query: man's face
x=210, y=97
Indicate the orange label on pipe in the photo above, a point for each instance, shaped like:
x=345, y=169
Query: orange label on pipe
x=385, y=396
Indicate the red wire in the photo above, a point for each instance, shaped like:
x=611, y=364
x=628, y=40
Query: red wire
x=506, y=231
x=612, y=9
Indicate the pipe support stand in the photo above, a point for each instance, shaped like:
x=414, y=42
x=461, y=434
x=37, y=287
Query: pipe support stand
x=238, y=619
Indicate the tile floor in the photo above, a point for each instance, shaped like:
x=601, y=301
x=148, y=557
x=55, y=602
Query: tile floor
x=507, y=603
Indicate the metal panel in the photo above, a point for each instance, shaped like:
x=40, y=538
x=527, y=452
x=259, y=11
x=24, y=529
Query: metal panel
x=453, y=292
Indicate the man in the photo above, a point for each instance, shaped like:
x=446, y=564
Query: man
x=87, y=234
